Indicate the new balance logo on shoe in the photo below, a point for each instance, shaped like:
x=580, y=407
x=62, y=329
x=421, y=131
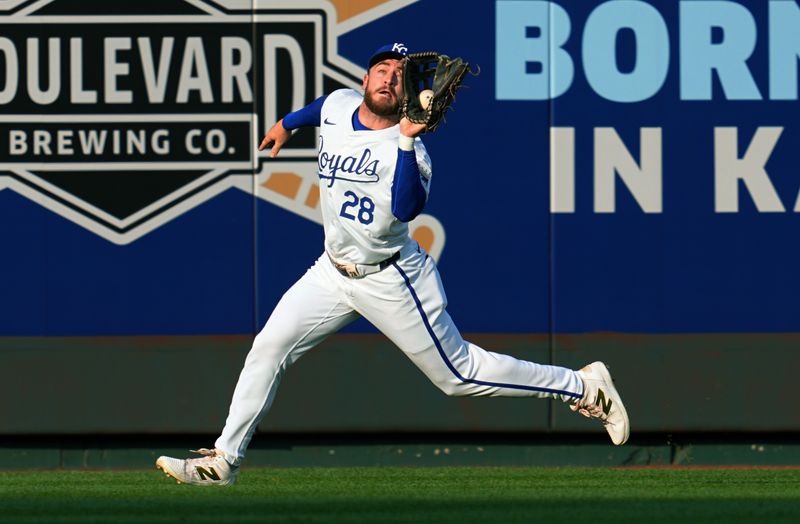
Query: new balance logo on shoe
x=601, y=401
x=205, y=474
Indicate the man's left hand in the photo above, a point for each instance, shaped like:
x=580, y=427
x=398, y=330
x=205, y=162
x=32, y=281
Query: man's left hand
x=409, y=128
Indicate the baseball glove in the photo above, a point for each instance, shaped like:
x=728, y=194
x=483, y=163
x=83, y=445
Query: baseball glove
x=434, y=71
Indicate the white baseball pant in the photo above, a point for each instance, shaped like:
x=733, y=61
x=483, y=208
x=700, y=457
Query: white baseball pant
x=406, y=302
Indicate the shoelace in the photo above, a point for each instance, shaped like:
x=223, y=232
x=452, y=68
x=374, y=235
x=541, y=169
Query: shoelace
x=208, y=455
x=590, y=411
x=205, y=452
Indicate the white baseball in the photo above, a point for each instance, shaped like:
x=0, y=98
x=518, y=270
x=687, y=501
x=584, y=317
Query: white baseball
x=425, y=98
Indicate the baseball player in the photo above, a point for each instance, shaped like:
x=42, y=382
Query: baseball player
x=375, y=175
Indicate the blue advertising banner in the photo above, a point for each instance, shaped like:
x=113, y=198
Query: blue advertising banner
x=616, y=166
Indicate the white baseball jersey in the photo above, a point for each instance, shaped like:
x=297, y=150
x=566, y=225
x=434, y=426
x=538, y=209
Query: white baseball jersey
x=356, y=171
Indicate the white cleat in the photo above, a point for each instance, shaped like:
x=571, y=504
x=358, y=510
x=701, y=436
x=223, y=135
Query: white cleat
x=600, y=400
x=209, y=470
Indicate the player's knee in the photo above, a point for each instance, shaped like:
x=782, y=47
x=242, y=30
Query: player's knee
x=453, y=387
x=269, y=348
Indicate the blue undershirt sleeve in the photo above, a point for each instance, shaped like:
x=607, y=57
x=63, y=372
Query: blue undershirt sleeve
x=306, y=116
x=408, y=194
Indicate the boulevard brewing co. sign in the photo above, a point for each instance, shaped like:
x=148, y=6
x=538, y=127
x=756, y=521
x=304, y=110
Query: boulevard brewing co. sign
x=121, y=117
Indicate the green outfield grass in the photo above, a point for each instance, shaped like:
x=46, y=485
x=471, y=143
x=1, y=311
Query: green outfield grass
x=415, y=495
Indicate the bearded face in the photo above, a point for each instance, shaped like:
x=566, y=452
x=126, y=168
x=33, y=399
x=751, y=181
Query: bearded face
x=382, y=102
x=383, y=88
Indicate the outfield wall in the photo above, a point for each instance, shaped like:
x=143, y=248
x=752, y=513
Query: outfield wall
x=618, y=183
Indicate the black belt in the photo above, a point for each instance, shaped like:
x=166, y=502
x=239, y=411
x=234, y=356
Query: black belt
x=362, y=270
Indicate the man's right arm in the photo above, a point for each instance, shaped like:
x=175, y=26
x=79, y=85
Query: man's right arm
x=280, y=133
x=311, y=115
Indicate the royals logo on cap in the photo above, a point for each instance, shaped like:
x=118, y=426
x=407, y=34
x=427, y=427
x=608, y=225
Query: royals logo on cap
x=397, y=51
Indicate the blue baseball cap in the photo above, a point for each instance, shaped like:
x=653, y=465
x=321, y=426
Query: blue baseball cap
x=396, y=50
